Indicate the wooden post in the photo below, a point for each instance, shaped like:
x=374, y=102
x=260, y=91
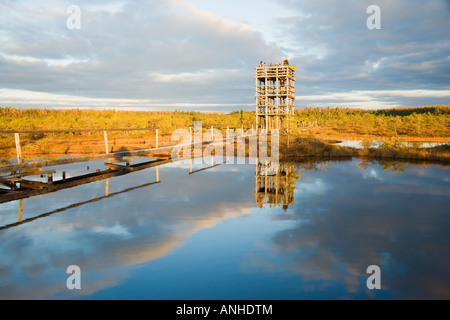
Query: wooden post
x=18, y=149
x=212, y=133
x=157, y=139
x=276, y=189
x=20, y=210
x=157, y=173
x=50, y=178
x=198, y=136
x=107, y=188
x=256, y=182
x=106, y=141
x=286, y=193
x=265, y=185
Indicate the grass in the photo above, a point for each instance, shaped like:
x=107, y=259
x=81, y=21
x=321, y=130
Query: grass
x=328, y=133
x=311, y=147
x=428, y=124
x=391, y=151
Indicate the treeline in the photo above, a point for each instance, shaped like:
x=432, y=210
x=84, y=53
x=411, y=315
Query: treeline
x=436, y=110
x=326, y=124
x=54, y=119
x=430, y=121
x=12, y=119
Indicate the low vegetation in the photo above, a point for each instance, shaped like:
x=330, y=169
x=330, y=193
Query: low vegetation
x=314, y=148
x=313, y=135
x=411, y=124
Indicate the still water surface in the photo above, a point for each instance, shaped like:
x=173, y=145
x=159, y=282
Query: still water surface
x=209, y=235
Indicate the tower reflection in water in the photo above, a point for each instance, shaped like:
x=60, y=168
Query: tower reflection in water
x=275, y=184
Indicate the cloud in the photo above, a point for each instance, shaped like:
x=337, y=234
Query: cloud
x=25, y=98
x=351, y=228
x=368, y=99
x=165, y=52
x=114, y=241
x=335, y=52
x=171, y=52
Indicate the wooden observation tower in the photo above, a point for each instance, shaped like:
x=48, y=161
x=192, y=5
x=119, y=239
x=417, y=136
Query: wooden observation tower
x=274, y=95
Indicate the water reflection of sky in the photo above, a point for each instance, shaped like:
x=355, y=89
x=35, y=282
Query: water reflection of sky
x=201, y=236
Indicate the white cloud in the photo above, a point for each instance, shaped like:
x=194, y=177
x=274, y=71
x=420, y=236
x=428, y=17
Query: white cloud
x=201, y=52
x=24, y=98
x=369, y=99
x=130, y=50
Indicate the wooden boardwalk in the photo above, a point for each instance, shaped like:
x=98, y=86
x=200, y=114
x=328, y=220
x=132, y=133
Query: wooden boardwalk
x=157, y=152
x=17, y=185
x=151, y=152
x=29, y=188
x=17, y=181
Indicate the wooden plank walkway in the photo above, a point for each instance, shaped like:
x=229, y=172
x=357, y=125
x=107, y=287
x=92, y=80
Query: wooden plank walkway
x=115, y=155
x=29, y=188
x=157, y=152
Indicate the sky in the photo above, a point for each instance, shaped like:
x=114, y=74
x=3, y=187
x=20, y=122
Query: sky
x=200, y=54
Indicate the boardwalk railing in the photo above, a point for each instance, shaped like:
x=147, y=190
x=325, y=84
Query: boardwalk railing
x=210, y=137
x=105, y=134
